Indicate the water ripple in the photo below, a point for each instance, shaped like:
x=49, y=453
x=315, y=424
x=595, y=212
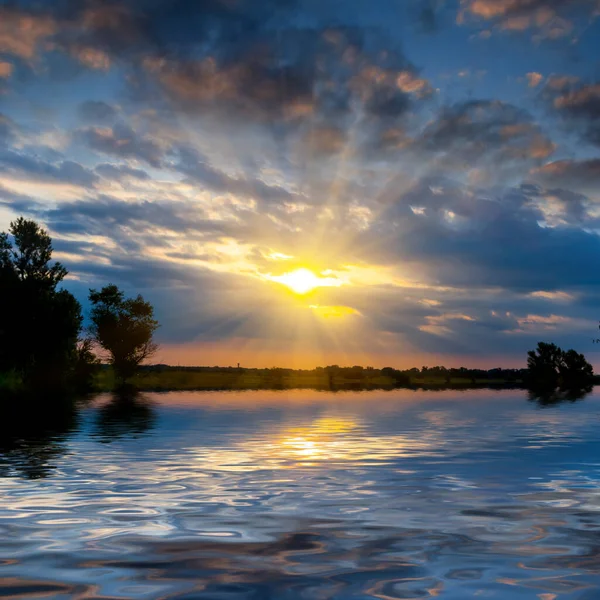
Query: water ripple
x=305, y=495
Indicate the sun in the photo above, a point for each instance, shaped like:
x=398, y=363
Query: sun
x=302, y=281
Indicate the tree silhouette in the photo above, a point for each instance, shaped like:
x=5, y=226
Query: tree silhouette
x=39, y=324
x=543, y=364
x=549, y=367
x=575, y=370
x=123, y=328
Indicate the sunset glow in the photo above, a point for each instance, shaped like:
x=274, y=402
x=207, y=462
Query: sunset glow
x=306, y=184
x=302, y=281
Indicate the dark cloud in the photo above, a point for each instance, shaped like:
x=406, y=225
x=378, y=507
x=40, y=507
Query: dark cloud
x=122, y=141
x=492, y=140
x=237, y=59
x=106, y=212
x=196, y=168
x=66, y=171
x=134, y=27
x=465, y=237
x=251, y=60
x=131, y=224
x=252, y=88
x=94, y=111
x=578, y=104
x=582, y=175
x=473, y=129
x=293, y=76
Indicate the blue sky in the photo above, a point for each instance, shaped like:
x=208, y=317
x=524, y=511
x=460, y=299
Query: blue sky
x=435, y=165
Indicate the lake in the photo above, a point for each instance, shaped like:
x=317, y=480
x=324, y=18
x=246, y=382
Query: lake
x=305, y=494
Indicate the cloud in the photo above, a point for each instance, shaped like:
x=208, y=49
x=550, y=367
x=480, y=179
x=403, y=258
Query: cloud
x=469, y=238
x=32, y=168
x=488, y=139
x=282, y=83
x=95, y=111
x=544, y=322
x=22, y=33
x=549, y=19
x=577, y=175
x=196, y=168
x=437, y=324
x=251, y=89
x=563, y=207
x=122, y=141
x=560, y=82
x=578, y=103
x=557, y=296
x=92, y=58
x=131, y=223
x=121, y=172
x=534, y=79
x=6, y=69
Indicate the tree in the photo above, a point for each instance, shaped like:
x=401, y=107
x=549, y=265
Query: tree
x=543, y=365
x=123, y=328
x=575, y=370
x=549, y=367
x=39, y=324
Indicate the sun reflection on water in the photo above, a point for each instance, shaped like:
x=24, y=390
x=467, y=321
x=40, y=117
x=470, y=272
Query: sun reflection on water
x=414, y=495
x=325, y=442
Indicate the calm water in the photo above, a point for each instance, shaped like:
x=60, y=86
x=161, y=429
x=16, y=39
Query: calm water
x=289, y=495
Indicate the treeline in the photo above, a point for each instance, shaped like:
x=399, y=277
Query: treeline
x=358, y=373
x=43, y=342
x=548, y=368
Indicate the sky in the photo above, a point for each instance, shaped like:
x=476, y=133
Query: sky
x=310, y=182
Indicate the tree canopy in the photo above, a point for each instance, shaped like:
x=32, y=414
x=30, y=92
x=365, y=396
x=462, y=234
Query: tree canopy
x=123, y=328
x=549, y=366
x=39, y=323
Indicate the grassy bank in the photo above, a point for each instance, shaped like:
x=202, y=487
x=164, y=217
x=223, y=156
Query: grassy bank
x=252, y=379
x=163, y=379
x=216, y=380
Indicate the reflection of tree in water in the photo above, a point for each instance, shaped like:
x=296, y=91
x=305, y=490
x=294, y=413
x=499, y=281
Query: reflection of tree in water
x=127, y=414
x=552, y=397
x=34, y=433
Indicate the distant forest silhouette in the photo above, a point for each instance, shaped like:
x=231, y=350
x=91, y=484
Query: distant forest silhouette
x=44, y=346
